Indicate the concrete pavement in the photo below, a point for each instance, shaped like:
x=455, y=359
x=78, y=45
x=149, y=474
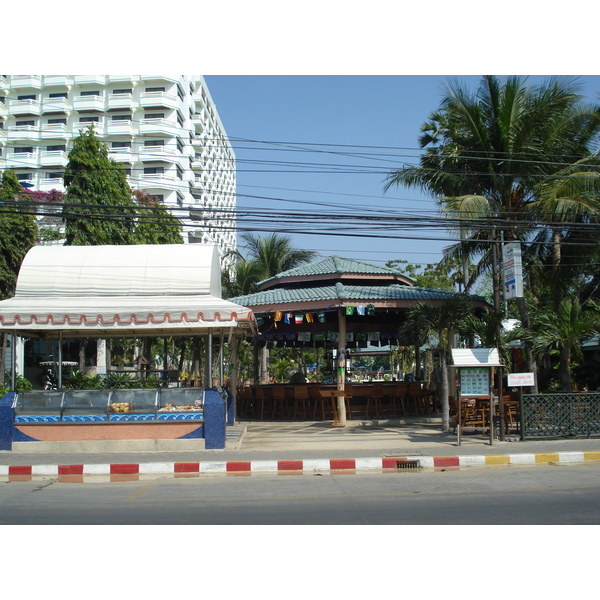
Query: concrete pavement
x=315, y=446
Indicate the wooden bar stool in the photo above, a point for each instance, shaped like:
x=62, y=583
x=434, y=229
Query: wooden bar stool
x=301, y=400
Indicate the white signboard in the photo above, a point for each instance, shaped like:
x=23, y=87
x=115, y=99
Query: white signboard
x=520, y=379
x=513, y=270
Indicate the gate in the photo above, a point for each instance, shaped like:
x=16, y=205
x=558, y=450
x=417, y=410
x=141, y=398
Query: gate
x=560, y=415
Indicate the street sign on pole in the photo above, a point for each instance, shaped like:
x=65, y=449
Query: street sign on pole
x=513, y=270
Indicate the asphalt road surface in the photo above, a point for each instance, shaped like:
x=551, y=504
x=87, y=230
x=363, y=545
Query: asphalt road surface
x=502, y=495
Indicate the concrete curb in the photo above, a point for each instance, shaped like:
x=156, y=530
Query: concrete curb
x=308, y=465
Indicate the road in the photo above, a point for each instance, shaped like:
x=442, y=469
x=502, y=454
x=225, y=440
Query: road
x=503, y=495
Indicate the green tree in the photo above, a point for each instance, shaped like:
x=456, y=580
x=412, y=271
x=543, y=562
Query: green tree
x=274, y=253
x=18, y=232
x=436, y=325
x=154, y=223
x=98, y=206
x=242, y=279
x=488, y=153
x=563, y=331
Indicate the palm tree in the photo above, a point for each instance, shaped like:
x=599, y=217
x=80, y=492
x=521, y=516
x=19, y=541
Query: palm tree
x=242, y=278
x=436, y=324
x=488, y=152
x=564, y=330
x=274, y=253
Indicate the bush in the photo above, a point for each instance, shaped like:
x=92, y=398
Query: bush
x=76, y=380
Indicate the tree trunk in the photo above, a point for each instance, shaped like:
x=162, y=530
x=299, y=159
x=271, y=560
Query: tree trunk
x=530, y=364
x=565, y=370
x=264, y=365
x=444, y=395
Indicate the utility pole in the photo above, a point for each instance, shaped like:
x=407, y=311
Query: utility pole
x=496, y=286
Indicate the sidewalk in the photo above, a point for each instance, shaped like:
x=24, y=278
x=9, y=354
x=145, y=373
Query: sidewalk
x=286, y=446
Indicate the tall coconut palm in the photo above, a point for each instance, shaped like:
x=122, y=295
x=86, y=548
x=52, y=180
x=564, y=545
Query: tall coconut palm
x=274, y=253
x=488, y=152
x=436, y=324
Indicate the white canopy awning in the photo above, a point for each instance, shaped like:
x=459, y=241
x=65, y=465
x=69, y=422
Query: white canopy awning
x=101, y=291
x=476, y=357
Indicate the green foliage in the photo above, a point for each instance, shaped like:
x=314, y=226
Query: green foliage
x=155, y=224
x=120, y=381
x=266, y=257
x=439, y=277
x=22, y=384
x=18, y=232
x=99, y=209
x=76, y=380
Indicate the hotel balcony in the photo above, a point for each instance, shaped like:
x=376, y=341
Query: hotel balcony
x=53, y=158
x=55, y=131
x=89, y=103
x=29, y=81
x=90, y=79
x=22, y=160
x=159, y=127
x=120, y=128
x=121, y=101
x=158, y=99
x=24, y=132
x=23, y=107
x=62, y=80
x=47, y=184
x=56, y=105
x=122, y=155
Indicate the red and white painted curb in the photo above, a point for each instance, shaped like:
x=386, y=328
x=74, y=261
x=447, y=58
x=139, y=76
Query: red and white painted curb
x=306, y=466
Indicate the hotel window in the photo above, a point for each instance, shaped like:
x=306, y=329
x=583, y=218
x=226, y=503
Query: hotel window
x=154, y=116
x=59, y=95
x=148, y=143
x=153, y=170
x=57, y=121
x=122, y=91
x=27, y=97
x=57, y=148
x=121, y=118
x=179, y=172
x=121, y=145
x=155, y=89
x=23, y=176
x=94, y=93
x=89, y=119
x=25, y=123
x=23, y=150
x=54, y=175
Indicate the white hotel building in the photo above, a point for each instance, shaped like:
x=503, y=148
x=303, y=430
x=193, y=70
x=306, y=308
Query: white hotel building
x=165, y=131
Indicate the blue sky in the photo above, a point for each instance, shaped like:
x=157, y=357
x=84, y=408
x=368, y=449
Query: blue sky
x=286, y=130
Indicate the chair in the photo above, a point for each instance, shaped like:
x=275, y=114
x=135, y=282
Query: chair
x=329, y=400
x=245, y=400
x=317, y=401
x=279, y=401
x=263, y=399
x=470, y=414
x=301, y=400
x=374, y=400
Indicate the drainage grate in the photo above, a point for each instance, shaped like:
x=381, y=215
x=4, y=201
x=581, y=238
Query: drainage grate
x=407, y=465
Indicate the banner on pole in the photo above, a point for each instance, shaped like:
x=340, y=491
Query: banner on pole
x=513, y=270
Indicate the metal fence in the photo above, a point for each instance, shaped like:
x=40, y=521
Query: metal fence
x=560, y=415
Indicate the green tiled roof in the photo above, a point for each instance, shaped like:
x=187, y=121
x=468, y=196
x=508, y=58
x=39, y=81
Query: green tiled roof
x=335, y=264
x=340, y=292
